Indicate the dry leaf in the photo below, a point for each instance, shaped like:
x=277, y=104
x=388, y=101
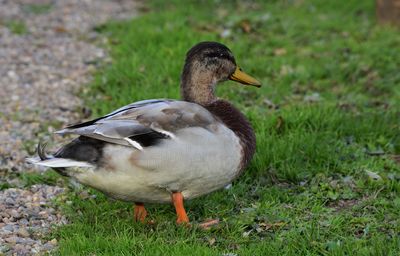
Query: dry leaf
x=267, y=226
x=279, y=124
x=246, y=233
x=315, y=97
x=60, y=29
x=269, y=104
x=245, y=26
x=373, y=175
x=280, y=51
x=211, y=241
x=285, y=70
x=396, y=158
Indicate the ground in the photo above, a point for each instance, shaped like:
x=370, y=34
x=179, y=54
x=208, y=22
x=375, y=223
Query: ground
x=48, y=52
x=325, y=178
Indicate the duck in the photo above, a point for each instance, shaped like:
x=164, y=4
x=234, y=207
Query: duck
x=164, y=150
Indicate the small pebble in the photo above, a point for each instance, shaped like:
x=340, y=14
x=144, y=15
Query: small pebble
x=9, y=201
x=11, y=240
x=23, y=232
x=8, y=227
x=14, y=213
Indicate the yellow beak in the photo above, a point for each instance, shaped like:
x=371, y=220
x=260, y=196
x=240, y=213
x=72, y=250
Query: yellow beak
x=241, y=77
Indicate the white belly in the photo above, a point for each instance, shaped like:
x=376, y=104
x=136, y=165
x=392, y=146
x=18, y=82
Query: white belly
x=195, y=163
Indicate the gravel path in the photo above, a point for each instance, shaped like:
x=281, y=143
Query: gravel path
x=47, y=52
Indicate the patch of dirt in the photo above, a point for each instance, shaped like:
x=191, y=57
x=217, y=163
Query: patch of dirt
x=342, y=204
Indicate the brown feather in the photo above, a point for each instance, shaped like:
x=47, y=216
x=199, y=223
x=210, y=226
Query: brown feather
x=238, y=123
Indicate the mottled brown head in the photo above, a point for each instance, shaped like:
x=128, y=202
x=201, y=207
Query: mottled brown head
x=207, y=64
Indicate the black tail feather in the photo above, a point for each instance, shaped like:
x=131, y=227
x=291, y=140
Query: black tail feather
x=41, y=151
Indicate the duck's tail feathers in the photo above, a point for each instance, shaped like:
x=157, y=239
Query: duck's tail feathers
x=42, y=156
x=54, y=162
x=59, y=163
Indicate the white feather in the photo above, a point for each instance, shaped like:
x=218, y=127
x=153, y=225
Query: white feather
x=60, y=162
x=134, y=143
x=33, y=160
x=169, y=134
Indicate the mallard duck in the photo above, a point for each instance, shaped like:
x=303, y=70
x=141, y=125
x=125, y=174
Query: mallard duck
x=162, y=150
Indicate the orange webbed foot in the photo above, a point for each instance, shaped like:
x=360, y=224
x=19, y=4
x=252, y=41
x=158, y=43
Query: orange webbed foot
x=139, y=213
x=177, y=200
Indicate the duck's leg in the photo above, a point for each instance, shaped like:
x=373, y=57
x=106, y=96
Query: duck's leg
x=139, y=212
x=177, y=199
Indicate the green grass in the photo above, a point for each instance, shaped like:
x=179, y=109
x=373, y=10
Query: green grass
x=332, y=75
x=15, y=26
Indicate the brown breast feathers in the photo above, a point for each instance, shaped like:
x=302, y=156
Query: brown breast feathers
x=238, y=123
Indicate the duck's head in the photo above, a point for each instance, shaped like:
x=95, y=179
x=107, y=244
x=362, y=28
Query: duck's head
x=207, y=64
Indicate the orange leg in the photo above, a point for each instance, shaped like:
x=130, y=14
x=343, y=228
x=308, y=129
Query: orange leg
x=177, y=199
x=139, y=212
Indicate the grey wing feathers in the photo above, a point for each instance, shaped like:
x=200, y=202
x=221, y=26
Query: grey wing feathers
x=136, y=120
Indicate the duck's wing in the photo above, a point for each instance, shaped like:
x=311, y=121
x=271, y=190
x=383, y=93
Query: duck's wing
x=144, y=123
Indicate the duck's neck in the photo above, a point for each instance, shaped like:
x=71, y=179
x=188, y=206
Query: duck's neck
x=197, y=84
x=238, y=123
